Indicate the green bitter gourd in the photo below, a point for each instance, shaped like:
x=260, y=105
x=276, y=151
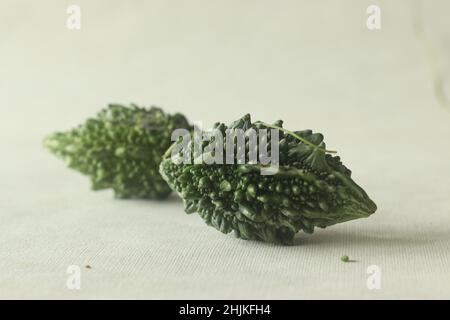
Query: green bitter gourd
x=121, y=149
x=312, y=188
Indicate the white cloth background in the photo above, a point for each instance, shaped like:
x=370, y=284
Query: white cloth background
x=312, y=63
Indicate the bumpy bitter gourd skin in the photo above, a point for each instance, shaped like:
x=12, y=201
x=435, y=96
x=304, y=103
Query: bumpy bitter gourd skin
x=311, y=189
x=120, y=149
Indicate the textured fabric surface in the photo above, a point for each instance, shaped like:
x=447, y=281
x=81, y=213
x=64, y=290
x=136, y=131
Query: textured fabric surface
x=379, y=97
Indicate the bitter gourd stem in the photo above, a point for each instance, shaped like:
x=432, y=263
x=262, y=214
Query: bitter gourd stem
x=296, y=136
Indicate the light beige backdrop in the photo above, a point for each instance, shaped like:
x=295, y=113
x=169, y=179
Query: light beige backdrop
x=379, y=97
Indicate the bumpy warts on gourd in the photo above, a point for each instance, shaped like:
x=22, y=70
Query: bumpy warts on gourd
x=120, y=149
x=312, y=188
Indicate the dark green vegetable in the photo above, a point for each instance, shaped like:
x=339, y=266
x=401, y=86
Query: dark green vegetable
x=345, y=259
x=120, y=149
x=311, y=189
